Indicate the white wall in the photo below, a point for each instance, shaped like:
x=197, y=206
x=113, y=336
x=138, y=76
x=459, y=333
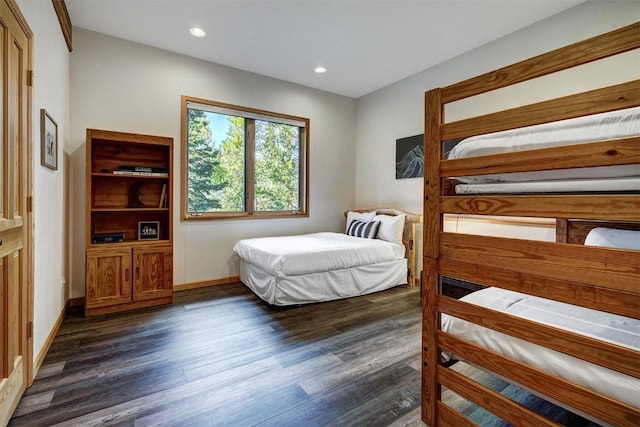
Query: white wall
x=124, y=86
x=397, y=110
x=51, y=92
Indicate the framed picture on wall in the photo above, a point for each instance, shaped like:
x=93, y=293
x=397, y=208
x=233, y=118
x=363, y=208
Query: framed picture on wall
x=410, y=157
x=48, y=140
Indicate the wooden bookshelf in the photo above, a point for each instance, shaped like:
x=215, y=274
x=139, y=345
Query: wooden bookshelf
x=127, y=271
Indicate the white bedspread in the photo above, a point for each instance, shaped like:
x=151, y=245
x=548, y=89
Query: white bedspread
x=603, y=326
x=313, y=253
x=598, y=127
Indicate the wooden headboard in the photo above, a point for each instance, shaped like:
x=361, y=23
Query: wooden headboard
x=411, y=238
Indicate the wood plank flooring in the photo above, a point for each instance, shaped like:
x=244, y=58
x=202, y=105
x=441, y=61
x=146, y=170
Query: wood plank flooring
x=219, y=356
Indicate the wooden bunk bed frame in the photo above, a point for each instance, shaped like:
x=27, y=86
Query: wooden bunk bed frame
x=599, y=278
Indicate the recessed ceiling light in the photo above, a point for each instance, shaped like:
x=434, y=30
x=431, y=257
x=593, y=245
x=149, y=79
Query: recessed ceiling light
x=197, y=32
x=320, y=70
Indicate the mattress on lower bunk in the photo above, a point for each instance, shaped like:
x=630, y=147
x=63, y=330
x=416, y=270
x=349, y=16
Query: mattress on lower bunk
x=603, y=326
x=598, y=127
x=317, y=252
x=323, y=286
x=627, y=184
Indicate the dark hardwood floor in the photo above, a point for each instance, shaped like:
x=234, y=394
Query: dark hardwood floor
x=219, y=356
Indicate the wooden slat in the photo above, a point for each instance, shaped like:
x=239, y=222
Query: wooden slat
x=451, y=417
x=610, y=98
x=433, y=154
x=562, y=230
x=604, y=153
x=580, y=398
x=430, y=352
x=615, y=207
x=602, y=353
x=505, y=408
x=610, y=268
x=601, y=46
x=594, y=297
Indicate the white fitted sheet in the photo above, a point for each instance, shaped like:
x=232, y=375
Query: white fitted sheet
x=603, y=326
x=323, y=286
x=598, y=127
x=314, y=253
x=558, y=186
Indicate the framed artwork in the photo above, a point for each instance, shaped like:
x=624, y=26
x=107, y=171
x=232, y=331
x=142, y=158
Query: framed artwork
x=148, y=230
x=410, y=157
x=48, y=141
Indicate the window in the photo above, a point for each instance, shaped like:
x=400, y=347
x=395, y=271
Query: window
x=241, y=162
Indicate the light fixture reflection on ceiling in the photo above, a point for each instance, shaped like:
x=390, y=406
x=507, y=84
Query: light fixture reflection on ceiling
x=197, y=32
x=320, y=70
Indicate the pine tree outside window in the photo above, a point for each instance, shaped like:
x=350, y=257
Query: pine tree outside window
x=242, y=163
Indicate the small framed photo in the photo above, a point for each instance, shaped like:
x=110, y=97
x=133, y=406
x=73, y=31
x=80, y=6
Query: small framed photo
x=148, y=230
x=48, y=141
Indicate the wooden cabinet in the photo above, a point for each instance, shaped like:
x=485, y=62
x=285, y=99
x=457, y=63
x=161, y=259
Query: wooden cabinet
x=129, y=236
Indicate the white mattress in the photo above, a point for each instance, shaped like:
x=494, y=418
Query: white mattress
x=323, y=286
x=557, y=186
x=597, y=127
x=313, y=253
x=613, y=238
x=603, y=326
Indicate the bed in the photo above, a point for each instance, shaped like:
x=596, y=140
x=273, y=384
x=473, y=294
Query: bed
x=373, y=254
x=597, y=281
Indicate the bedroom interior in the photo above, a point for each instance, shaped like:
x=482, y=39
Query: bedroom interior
x=336, y=362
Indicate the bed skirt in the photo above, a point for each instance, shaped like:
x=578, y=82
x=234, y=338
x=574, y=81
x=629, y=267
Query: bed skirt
x=325, y=286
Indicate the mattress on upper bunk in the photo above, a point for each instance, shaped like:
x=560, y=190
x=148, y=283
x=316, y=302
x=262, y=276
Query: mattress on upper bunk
x=626, y=184
x=602, y=326
x=598, y=127
x=315, y=253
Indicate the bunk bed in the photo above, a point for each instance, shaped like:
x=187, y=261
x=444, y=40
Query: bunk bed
x=567, y=271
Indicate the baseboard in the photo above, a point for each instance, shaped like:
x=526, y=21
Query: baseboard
x=37, y=363
x=76, y=302
x=206, y=283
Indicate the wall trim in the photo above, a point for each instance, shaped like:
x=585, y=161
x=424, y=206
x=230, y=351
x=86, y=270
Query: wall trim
x=206, y=283
x=65, y=21
x=47, y=343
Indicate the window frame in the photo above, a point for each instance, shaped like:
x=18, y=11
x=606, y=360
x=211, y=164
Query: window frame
x=249, y=157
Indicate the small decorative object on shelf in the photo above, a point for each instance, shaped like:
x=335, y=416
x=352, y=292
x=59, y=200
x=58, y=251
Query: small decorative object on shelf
x=163, y=196
x=148, y=230
x=134, y=196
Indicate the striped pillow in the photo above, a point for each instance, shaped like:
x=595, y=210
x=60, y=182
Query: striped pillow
x=365, y=229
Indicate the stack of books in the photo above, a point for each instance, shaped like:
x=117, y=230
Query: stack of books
x=141, y=171
x=107, y=238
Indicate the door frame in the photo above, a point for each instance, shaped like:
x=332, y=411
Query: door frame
x=27, y=270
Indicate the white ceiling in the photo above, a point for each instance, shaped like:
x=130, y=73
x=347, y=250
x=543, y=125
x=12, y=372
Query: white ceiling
x=364, y=44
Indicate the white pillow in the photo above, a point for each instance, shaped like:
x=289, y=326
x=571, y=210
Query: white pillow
x=391, y=227
x=365, y=216
x=613, y=238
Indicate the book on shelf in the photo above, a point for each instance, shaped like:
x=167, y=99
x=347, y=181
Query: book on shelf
x=137, y=173
x=141, y=171
x=134, y=168
x=107, y=238
x=163, y=196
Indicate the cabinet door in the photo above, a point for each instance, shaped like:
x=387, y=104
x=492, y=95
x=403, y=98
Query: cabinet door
x=108, y=277
x=153, y=271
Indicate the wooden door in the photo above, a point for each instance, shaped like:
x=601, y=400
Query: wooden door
x=16, y=307
x=152, y=272
x=108, y=277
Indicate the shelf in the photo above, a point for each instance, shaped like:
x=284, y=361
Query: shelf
x=122, y=175
x=129, y=209
x=129, y=243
